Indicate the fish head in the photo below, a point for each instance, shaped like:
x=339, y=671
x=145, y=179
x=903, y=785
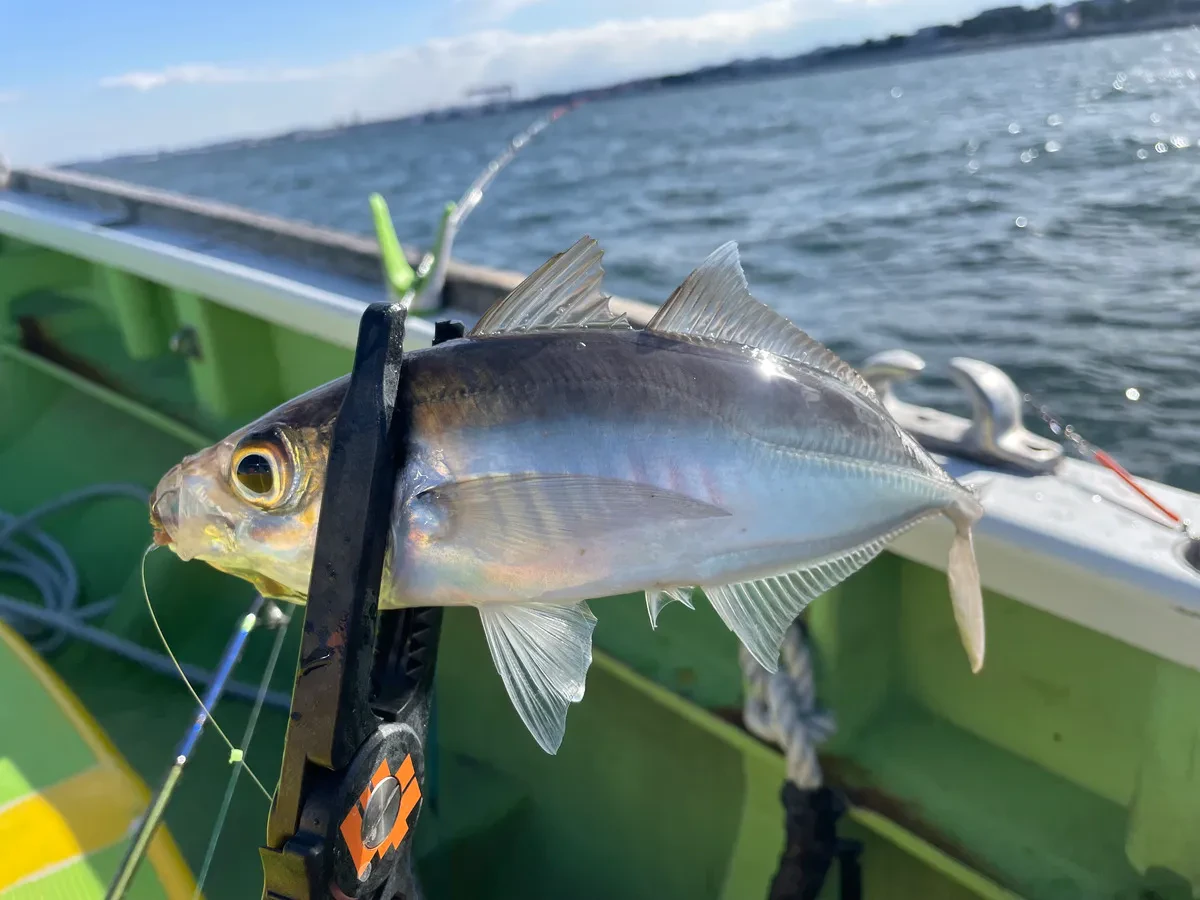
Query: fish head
x=249, y=504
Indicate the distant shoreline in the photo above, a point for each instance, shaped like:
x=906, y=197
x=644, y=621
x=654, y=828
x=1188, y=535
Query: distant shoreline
x=867, y=54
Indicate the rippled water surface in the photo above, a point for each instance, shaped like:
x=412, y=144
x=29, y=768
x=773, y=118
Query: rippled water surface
x=1035, y=207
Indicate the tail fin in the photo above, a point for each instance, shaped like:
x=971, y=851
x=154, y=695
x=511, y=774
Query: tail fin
x=966, y=594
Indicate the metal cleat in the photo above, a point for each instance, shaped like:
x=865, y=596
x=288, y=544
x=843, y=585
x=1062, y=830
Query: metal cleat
x=995, y=435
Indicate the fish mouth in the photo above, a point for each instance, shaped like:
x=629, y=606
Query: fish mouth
x=164, y=509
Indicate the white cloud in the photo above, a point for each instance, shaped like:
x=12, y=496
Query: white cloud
x=491, y=12
x=205, y=73
x=438, y=71
x=10, y=96
x=202, y=102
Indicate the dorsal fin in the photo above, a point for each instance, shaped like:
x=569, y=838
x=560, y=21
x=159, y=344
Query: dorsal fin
x=564, y=294
x=714, y=302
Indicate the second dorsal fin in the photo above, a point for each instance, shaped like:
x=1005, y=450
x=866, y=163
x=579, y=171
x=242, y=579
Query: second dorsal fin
x=564, y=294
x=714, y=302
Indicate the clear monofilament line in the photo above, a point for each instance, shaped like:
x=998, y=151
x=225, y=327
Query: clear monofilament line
x=1067, y=431
x=223, y=814
x=1087, y=449
x=235, y=755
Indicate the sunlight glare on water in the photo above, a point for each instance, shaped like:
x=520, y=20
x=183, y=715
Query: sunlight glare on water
x=875, y=207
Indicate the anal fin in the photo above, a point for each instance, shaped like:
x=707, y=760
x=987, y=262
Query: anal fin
x=542, y=652
x=760, y=612
x=657, y=598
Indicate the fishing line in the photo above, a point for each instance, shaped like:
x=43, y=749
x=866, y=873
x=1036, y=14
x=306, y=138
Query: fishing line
x=437, y=262
x=1177, y=523
x=431, y=272
x=1085, y=448
x=235, y=755
x=226, y=802
x=31, y=555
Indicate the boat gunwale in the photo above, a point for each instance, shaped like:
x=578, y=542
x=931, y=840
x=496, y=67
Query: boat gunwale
x=1150, y=601
x=338, y=252
x=277, y=299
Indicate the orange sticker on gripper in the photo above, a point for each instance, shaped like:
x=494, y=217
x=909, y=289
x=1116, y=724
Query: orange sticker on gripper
x=351, y=827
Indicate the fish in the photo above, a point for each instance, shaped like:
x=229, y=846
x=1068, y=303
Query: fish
x=558, y=454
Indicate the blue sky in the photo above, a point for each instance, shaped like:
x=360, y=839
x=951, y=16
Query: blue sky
x=80, y=78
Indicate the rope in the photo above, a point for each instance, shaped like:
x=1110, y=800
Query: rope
x=42, y=561
x=32, y=556
x=781, y=707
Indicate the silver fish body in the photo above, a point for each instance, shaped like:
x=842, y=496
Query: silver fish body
x=786, y=464
x=558, y=455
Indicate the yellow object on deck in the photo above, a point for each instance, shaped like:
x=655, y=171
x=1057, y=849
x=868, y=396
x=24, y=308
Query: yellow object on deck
x=68, y=799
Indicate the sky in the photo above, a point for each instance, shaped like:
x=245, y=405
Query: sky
x=85, y=79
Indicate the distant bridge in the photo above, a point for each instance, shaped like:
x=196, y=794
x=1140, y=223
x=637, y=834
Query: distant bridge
x=502, y=93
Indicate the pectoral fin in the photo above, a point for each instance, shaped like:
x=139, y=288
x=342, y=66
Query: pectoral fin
x=511, y=517
x=542, y=652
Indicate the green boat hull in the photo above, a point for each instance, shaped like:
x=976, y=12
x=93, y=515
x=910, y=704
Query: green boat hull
x=1062, y=771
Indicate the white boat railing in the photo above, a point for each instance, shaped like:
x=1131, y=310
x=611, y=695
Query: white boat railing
x=1064, y=536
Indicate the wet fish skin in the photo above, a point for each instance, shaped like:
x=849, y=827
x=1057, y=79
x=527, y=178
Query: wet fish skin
x=559, y=455
x=709, y=422
x=627, y=405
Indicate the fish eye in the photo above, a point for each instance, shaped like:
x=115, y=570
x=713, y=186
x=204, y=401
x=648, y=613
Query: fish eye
x=261, y=474
x=256, y=473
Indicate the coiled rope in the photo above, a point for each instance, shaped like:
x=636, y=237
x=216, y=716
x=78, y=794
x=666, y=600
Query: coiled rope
x=31, y=555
